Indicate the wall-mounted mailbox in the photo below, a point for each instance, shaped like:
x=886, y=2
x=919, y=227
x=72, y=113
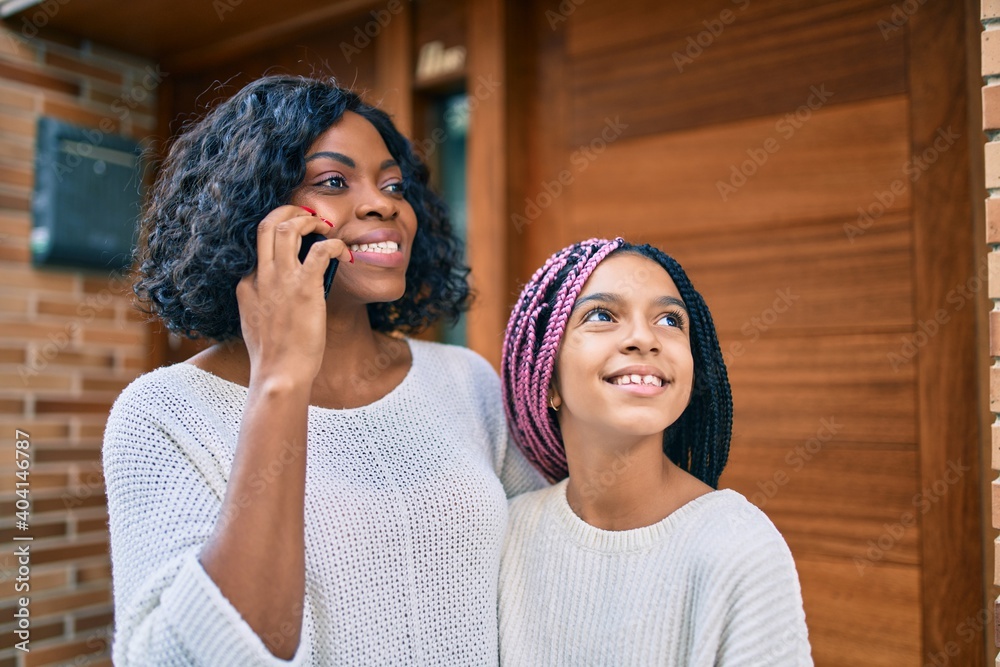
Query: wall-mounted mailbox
x=88, y=187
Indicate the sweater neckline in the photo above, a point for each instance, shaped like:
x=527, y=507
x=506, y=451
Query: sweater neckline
x=416, y=357
x=635, y=539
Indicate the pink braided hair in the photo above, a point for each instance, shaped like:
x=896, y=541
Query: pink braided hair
x=527, y=363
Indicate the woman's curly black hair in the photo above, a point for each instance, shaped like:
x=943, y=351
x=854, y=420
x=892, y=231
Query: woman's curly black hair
x=245, y=158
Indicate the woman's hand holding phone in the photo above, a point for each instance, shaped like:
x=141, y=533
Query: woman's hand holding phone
x=282, y=302
x=307, y=242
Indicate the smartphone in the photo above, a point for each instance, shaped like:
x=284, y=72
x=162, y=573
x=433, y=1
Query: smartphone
x=307, y=242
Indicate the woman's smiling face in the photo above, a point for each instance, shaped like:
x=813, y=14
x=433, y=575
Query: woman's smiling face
x=353, y=181
x=625, y=365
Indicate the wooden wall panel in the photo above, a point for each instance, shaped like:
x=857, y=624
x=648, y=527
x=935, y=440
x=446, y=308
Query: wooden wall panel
x=949, y=419
x=830, y=498
x=784, y=386
x=487, y=246
x=538, y=134
x=835, y=163
x=753, y=68
x=603, y=27
x=394, y=69
x=872, y=620
x=800, y=278
x=440, y=20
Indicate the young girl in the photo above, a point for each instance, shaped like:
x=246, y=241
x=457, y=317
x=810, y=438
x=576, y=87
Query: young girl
x=612, y=375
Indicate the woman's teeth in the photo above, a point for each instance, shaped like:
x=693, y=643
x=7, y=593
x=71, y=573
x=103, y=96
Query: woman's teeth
x=382, y=246
x=637, y=379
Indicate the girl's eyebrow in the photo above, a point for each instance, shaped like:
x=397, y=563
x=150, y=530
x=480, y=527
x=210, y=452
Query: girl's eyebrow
x=616, y=300
x=604, y=297
x=671, y=301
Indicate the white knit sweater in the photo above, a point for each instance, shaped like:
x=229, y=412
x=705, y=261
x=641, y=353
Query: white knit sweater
x=711, y=585
x=405, y=516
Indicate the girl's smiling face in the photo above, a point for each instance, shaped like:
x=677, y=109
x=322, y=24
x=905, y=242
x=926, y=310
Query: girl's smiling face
x=625, y=366
x=353, y=181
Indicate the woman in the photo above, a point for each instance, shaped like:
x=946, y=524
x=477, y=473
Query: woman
x=315, y=487
x=612, y=375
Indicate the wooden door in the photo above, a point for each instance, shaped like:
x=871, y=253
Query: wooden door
x=808, y=164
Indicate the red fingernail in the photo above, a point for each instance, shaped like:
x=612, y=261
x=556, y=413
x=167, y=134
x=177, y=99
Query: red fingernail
x=308, y=210
x=352, y=255
x=327, y=221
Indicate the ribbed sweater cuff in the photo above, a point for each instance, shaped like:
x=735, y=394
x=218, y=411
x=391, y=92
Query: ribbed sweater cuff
x=212, y=630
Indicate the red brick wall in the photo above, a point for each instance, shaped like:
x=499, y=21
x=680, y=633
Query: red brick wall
x=69, y=343
x=991, y=125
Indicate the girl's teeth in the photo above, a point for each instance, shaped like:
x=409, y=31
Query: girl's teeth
x=381, y=247
x=639, y=379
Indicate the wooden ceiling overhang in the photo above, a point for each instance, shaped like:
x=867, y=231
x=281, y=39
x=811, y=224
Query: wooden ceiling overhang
x=182, y=35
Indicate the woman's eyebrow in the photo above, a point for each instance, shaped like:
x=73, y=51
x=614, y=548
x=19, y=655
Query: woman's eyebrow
x=339, y=157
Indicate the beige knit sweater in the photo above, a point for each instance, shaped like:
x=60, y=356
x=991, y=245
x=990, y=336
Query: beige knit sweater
x=711, y=585
x=406, y=507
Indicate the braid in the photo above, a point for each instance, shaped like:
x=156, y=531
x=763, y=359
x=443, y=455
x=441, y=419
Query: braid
x=697, y=442
x=531, y=344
